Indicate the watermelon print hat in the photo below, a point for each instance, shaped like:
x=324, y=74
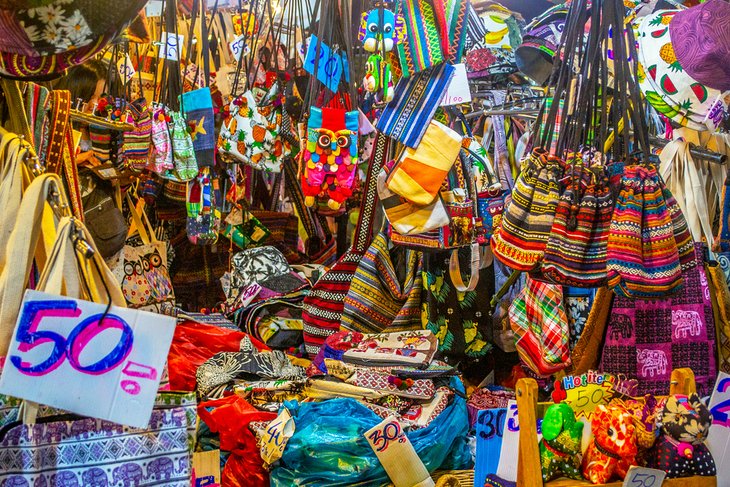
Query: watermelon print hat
x=665, y=83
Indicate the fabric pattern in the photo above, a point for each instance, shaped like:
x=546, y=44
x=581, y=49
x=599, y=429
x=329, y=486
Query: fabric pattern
x=198, y=106
x=161, y=150
x=183, y=152
x=648, y=339
x=94, y=452
x=560, y=446
x=613, y=449
x=422, y=46
x=146, y=278
x=137, y=142
x=414, y=104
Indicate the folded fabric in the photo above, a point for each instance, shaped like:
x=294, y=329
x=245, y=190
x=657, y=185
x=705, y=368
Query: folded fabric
x=420, y=172
x=414, y=389
x=397, y=348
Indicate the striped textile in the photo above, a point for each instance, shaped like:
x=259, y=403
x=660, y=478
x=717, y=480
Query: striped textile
x=455, y=20
x=422, y=47
x=520, y=241
x=137, y=142
x=416, y=99
x=575, y=254
x=476, y=31
x=682, y=235
x=643, y=260
x=377, y=299
x=538, y=318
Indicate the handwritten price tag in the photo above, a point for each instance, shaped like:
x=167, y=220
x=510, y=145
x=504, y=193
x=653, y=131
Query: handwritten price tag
x=126, y=69
x=62, y=354
x=330, y=66
x=718, y=440
x=274, y=440
x=489, y=431
x=644, y=477
x=397, y=455
x=585, y=392
x=170, y=46
x=458, y=90
x=239, y=47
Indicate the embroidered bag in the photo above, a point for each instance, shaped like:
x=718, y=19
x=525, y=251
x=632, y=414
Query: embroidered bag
x=198, y=107
x=538, y=319
x=204, y=216
x=137, y=141
x=183, y=152
x=161, y=150
x=648, y=339
x=422, y=46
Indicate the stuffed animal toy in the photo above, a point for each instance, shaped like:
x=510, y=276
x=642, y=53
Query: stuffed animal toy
x=613, y=448
x=644, y=414
x=681, y=450
x=375, y=40
x=378, y=78
x=560, y=445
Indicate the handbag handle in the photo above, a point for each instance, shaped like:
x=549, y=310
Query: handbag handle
x=363, y=235
x=455, y=269
x=141, y=223
x=14, y=177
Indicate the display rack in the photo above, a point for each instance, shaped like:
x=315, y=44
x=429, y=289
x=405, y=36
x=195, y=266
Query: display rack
x=529, y=473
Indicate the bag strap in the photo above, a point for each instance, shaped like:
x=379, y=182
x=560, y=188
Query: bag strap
x=364, y=230
x=14, y=177
x=141, y=223
x=455, y=269
x=16, y=106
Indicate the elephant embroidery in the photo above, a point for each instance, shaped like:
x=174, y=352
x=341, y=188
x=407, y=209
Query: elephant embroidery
x=184, y=465
x=83, y=427
x=40, y=481
x=686, y=323
x=64, y=478
x=55, y=432
x=653, y=362
x=160, y=467
x=15, y=481
x=110, y=428
x=129, y=474
x=14, y=435
x=94, y=477
x=621, y=326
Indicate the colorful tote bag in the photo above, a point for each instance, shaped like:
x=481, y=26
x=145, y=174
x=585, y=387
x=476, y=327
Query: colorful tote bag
x=540, y=324
x=378, y=299
x=137, y=141
x=527, y=220
x=198, y=106
x=330, y=156
x=183, y=152
x=161, y=149
x=649, y=339
x=416, y=99
x=323, y=307
x=69, y=450
x=422, y=47
x=204, y=216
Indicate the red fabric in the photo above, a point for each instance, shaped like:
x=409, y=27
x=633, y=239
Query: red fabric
x=193, y=344
x=230, y=417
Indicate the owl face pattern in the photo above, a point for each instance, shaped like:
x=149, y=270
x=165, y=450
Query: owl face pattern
x=146, y=279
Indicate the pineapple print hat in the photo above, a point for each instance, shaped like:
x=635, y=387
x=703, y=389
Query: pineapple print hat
x=666, y=84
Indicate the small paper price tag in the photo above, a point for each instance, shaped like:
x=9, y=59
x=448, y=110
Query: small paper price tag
x=154, y=8
x=276, y=437
x=458, y=90
x=644, y=477
x=397, y=455
x=239, y=47
x=170, y=45
x=126, y=69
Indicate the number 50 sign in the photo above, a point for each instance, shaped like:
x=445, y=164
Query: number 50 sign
x=67, y=354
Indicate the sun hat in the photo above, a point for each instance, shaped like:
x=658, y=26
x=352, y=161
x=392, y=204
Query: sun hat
x=42, y=38
x=701, y=39
x=665, y=83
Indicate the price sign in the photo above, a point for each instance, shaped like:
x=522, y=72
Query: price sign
x=644, y=477
x=239, y=47
x=458, y=90
x=276, y=437
x=302, y=48
x=170, y=46
x=329, y=67
x=718, y=440
x=510, y=450
x=126, y=69
x=153, y=8
x=489, y=432
x=397, y=455
x=585, y=392
x=68, y=354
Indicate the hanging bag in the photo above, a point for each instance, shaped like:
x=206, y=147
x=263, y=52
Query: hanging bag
x=203, y=214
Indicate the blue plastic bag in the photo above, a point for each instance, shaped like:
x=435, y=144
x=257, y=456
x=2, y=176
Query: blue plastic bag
x=329, y=446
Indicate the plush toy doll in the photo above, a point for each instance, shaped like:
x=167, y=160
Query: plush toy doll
x=613, y=448
x=371, y=36
x=560, y=445
x=330, y=156
x=644, y=414
x=681, y=450
x=378, y=78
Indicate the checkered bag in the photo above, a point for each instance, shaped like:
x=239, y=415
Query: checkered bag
x=538, y=319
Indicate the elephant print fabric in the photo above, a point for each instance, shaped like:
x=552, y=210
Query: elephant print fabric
x=330, y=156
x=648, y=339
x=94, y=453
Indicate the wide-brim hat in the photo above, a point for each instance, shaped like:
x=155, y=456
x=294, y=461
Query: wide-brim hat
x=42, y=38
x=665, y=83
x=701, y=40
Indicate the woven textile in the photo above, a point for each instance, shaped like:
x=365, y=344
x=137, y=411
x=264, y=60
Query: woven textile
x=649, y=339
x=537, y=317
x=198, y=105
x=137, y=141
x=378, y=299
x=575, y=254
x=183, y=153
x=422, y=47
x=414, y=104
x=643, y=260
x=521, y=239
x=455, y=20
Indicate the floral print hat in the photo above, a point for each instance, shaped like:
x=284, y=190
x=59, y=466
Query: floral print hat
x=668, y=87
x=44, y=37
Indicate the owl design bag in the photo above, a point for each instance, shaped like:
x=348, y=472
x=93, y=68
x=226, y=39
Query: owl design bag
x=146, y=280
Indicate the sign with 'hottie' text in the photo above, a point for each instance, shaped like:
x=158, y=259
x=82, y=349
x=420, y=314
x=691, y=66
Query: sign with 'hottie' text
x=70, y=354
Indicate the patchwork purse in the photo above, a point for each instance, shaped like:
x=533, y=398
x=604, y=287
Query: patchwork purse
x=137, y=141
x=203, y=214
x=198, y=106
x=183, y=152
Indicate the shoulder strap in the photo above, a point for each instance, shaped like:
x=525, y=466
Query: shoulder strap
x=364, y=229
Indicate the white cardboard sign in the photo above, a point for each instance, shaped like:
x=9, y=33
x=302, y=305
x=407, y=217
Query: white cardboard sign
x=397, y=455
x=65, y=355
x=718, y=440
x=458, y=90
x=644, y=477
x=126, y=69
x=239, y=47
x=170, y=46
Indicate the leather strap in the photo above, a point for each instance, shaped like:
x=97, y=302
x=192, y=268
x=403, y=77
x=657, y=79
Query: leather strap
x=60, y=111
x=364, y=230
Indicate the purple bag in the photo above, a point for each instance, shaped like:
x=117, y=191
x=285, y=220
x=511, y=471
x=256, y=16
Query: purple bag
x=646, y=340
